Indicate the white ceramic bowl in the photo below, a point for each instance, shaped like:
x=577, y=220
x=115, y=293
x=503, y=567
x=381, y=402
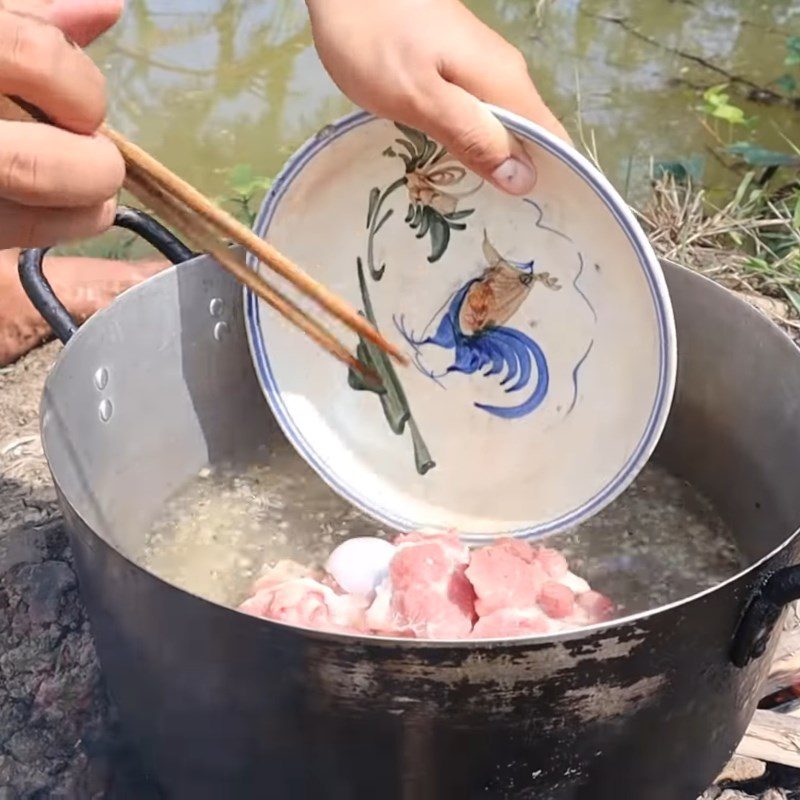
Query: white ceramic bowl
x=540, y=329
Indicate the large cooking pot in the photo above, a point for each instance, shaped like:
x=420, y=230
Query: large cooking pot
x=223, y=705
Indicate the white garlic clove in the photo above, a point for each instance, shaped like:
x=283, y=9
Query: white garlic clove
x=358, y=565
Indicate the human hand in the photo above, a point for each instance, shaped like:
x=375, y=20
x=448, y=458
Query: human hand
x=55, y=185
x=82, y=20
x=426, y=63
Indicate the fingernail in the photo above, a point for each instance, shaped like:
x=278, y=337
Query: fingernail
x=514, y=177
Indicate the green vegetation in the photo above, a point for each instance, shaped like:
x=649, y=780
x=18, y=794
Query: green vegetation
x=747, y=238
x=245, y=190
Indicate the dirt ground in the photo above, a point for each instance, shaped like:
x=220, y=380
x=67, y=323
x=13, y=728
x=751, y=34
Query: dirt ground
x=58, y=734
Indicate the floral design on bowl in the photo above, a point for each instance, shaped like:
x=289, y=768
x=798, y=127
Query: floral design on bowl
x=539, y=331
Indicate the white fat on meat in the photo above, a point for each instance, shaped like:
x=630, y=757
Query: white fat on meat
x=574, y=582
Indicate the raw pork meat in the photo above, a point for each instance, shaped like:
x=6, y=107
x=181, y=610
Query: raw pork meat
x=289, y=592
x=426, y=594
x=435, y=588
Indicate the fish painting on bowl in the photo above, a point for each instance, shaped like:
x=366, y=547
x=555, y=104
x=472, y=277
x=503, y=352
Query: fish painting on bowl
x=538, y=328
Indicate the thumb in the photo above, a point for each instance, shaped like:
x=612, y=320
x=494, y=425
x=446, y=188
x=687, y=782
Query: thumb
x=82, y=20
x=476, y=137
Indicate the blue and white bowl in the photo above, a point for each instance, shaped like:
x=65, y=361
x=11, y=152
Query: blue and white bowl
x=540, y=332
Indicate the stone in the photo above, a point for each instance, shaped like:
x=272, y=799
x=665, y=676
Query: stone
x=47, y=585
x=740, y=769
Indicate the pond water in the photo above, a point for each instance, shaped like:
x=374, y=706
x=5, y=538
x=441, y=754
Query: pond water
x=226, y=82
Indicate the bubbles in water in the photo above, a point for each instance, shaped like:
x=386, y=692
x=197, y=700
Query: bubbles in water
x=659, y=542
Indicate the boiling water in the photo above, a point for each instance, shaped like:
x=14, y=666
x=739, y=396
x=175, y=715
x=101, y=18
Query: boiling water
x=659, y=542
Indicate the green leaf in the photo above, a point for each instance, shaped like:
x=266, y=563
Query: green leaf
x=422, y=456
x=440, y=238
x=682, y=170
x=742, y=188
x=729, y=113
x=393, y=399
x=439, y=156
x=413, y=154
x=360, y=382
x=792, y=51
x=259, y=184
x=244, y=182
x=430, y=149
x=757, y=264
x=460, y=214
x=383, y=219
x=714, y=95
x=786, y=83
x=416, y=137
x=793, y=297
x=796, y=216
x=240, y=175
x=758, y=156
x=428, y=214
x=419, y=212
x=373, y=201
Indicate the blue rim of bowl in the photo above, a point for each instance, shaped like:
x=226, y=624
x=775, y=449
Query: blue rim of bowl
x=647, y=261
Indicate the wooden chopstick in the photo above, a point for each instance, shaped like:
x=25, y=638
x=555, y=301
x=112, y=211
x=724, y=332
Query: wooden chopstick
x=201, y=237
x=201, y=222
x=228, y=226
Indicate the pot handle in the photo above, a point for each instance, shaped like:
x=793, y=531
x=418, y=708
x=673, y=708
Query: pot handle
x=764, y=610
x=44, y=299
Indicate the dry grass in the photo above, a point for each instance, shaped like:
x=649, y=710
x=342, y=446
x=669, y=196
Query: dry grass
x=749, y=243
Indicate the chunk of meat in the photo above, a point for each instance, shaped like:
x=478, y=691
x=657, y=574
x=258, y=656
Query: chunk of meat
x=434, y=588
x=577, y=584
x=508, y=622
x=597, y=606
x=556, y=600
x=280, y=572
x=308, y=603
x=447, y=540
x=427, y=594
x=554, y=563
x=505, y=575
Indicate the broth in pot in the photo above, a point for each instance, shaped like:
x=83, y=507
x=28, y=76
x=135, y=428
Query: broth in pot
x=659, y=542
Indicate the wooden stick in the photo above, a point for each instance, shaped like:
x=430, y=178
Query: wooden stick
x=166, y=207
x=785, y=669
x=772, y=737
x=136, y=157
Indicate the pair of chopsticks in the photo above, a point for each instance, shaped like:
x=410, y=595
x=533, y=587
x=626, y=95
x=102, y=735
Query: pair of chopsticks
x=205, y=226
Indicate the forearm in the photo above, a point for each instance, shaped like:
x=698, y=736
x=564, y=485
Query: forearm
x=84, y=285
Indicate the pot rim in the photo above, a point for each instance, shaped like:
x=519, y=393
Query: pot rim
x=407, y=643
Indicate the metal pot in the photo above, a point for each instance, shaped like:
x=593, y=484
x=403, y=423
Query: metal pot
x=221, y=704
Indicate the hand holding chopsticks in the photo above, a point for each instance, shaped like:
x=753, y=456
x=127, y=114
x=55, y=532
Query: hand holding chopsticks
x=206, y=226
